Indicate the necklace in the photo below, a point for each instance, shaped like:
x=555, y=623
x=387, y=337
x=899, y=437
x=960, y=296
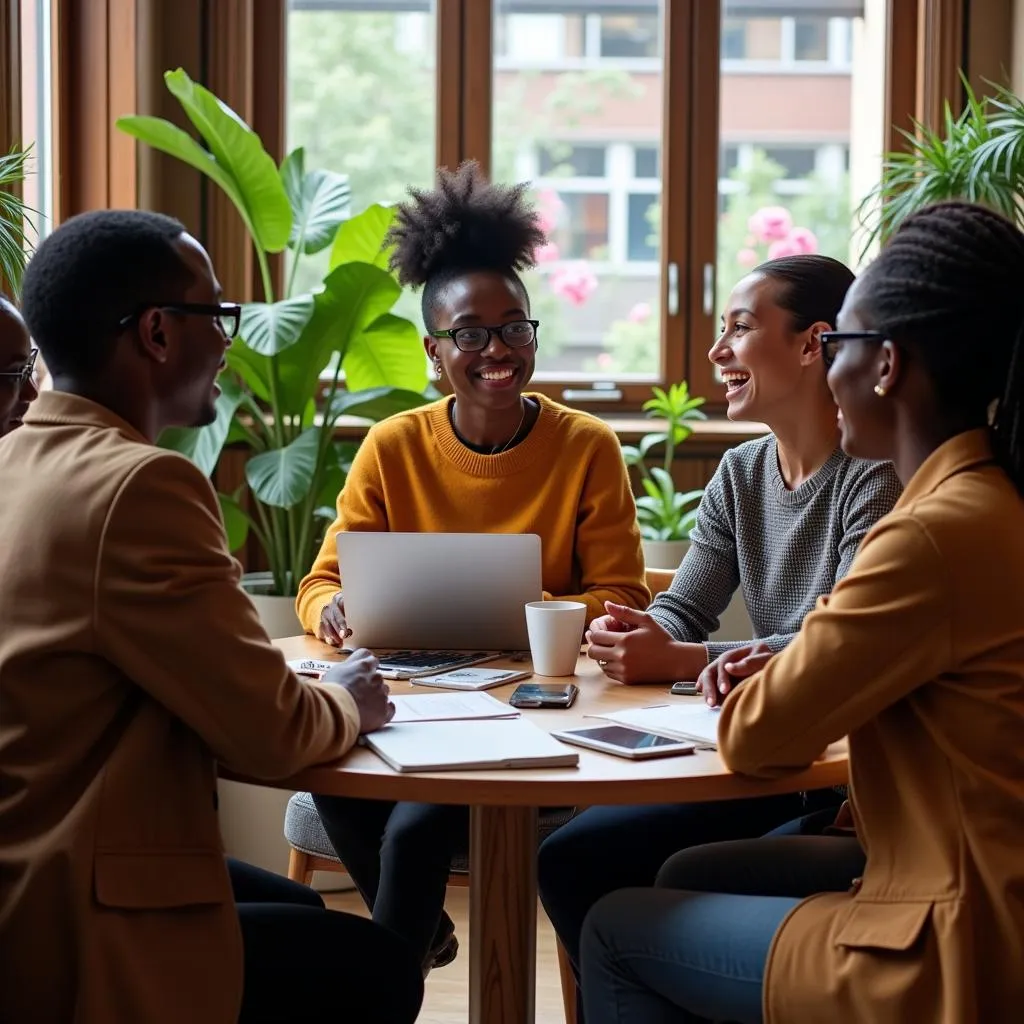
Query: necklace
x=498, y=449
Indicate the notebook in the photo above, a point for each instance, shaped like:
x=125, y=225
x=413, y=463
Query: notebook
x=695, y=722
x=468, y=746
x=441, y=707
x=473, y=678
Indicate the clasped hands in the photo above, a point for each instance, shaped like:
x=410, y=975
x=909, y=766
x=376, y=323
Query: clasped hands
x=633, y=647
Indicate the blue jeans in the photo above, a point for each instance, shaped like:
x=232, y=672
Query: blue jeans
x=608, y=848
x=695, y=948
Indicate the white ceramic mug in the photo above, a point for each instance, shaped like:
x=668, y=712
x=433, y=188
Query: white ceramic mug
x=556, y=632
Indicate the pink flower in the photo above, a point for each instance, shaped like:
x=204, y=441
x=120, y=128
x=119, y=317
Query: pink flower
x=770, y=223
x=604, y=360
x=549, y=208
x=747, y=257
x=574, y=282
x=639, y=313
x=546, y=253
x=804, y=239
x=799, y=242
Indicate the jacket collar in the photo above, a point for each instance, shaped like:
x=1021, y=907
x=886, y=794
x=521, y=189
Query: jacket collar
x=61, y=409
x=964, y=451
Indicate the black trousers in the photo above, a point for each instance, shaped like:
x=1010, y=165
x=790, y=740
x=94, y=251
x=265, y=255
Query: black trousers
x=305, y=963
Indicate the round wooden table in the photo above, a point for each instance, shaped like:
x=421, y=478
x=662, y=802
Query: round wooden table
x=503, y=815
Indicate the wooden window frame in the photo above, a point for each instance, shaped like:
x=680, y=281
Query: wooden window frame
x=110, y=57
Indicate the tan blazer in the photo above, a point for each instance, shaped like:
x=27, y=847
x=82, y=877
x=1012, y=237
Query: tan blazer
x=130, y=661
x=918, y=656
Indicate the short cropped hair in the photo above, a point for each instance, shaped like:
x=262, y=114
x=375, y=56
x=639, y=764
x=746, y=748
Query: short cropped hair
x=93, y=271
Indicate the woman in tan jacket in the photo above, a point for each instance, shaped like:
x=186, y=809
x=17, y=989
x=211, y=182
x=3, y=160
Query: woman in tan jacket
x=918, y=657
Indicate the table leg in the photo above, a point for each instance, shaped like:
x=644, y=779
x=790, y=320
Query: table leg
x=502, y=915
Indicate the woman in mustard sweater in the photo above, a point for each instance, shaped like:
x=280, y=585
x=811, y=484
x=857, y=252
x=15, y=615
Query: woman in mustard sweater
x=489, y=459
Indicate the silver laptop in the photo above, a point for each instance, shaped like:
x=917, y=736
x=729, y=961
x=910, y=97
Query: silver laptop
x=439, y=591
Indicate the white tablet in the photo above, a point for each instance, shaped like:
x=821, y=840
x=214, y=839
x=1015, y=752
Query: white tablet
x=625, y=742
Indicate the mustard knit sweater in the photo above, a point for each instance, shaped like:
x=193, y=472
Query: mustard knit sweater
x=566, y=482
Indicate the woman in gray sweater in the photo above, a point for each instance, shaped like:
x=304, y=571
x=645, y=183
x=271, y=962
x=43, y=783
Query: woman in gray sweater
x=781, y=519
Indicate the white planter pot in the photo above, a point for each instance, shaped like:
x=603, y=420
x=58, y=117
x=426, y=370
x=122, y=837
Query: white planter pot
x=664, y=554
x=277, y=614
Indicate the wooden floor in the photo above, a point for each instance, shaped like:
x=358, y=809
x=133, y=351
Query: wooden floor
x=447, y=995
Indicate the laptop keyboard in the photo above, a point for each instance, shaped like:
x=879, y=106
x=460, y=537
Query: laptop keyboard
x=430, y=661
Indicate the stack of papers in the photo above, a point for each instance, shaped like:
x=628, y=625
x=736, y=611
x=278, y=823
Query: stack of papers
x=468, y=745
x=448, y=707
x=695, y=722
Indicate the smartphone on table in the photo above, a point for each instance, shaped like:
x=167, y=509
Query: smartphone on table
x=685, y=689
x=623, y=741
x=544, y=695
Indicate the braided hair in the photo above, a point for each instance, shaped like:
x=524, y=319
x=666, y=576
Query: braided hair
x=463, y=225
x=950, y=273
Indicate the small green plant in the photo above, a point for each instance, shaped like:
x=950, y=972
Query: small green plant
x=14, y=218
x=301, y=360
x=979, y=156
x=663, y=512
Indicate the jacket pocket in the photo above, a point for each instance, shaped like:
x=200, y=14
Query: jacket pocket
x=158, y=881
x=892, y=926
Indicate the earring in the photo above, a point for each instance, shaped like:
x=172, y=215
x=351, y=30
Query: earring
x=880, y=391
x=438, y=372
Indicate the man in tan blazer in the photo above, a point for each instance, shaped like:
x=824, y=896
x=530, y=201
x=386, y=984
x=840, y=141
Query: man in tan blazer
x=131, y=662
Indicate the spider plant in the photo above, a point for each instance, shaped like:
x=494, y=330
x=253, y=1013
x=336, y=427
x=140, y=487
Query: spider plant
x=14, y=218
x=978, y=156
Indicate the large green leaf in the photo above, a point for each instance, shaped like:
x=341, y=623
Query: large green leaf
x=353, y=297
x=172, y=140
x=236, y=522
x=282, y=478
x=262, y=200
x=320, y=203
x=272, y=327
x=389, y=351
x=253, y=368
x=361, y=238
x=203, y=445
x=376, y=403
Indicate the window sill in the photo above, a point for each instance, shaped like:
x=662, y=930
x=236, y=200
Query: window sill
x=715, y=431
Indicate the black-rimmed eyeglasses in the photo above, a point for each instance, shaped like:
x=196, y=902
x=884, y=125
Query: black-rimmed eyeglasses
x=831, y=340
x=515, y=334
x=23, y=374
x=228, y=315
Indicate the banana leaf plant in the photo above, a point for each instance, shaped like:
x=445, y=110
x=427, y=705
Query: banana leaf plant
x=978, y=156
x=301, y=360
x=662, y=512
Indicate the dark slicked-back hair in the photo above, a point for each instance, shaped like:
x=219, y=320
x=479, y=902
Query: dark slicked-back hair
x=811, y=288
x=465, y=224
x=947, y=286
x=94, y=270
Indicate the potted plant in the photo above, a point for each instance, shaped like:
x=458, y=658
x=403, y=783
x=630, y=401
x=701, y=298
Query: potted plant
x=302, y=360
x=665, y=515
x=13, y=219
x=979, y=157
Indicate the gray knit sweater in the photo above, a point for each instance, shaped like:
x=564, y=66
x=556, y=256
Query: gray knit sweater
x=784, y=548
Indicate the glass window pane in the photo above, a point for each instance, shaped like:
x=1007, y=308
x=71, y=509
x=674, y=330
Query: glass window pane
x=37, y=115
x=763, y=38
x=805, y=166
x=561, y=125
x=361, y=101
x=630, y=35
x=569, y=161
x=810, y=39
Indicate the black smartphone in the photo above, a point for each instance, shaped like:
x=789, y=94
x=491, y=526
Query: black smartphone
x=544, y=695
x=685, y=690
